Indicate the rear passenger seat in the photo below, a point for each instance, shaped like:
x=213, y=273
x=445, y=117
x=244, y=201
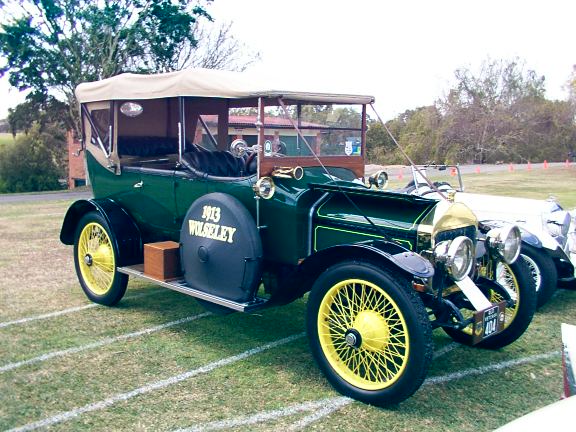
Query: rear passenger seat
x=147, y=146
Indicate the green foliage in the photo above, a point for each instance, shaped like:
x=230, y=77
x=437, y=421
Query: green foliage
x=77, y=40
x=380, y=145
x=30, y=163
x=47, y=111
x=72, y=41
x=415, y=132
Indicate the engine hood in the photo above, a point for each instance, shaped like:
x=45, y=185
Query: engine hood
x=521, y=210
x=411, y=221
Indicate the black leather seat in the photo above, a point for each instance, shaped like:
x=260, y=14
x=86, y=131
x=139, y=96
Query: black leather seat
x=216, y=163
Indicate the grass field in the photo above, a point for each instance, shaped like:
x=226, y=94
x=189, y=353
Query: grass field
x=6, y=138
x=159, y=362
x=559, y=183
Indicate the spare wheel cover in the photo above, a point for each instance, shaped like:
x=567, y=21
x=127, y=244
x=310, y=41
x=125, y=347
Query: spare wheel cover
x=221, y=250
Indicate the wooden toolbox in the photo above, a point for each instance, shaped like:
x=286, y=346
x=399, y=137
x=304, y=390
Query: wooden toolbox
x=162, y=260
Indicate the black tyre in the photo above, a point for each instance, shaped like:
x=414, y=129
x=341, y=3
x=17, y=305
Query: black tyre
x=95, y=258
x=543, y=271
x=369, y=333
x=517, y=281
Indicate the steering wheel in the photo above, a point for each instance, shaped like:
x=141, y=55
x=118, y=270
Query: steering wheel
x=238, y=147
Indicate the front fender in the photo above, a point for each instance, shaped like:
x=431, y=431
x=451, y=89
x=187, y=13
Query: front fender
x=125, y=232
x=388, y=253
x=530, y=239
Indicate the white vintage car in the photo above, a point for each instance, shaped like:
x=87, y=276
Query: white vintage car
x=548, y=231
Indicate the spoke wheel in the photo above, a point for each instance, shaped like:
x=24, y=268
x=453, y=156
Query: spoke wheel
x=364, y=334
x=507, y=279
x=516, y=280
x=369, y=333
x=543, y=271
x=95, y=260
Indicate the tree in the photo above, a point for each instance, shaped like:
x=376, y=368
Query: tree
x=415, y=132
x=571, y=86
x=50, y=46
x=29, y=164
x=216, y=48
x=53, y=45
x=47, y=111
x=479, y=116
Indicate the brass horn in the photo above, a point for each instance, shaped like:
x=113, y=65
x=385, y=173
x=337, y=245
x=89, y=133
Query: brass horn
x=288, y=172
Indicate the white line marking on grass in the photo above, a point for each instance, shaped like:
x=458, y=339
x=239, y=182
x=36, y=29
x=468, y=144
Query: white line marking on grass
x=68, y=415
x=328, y=406
x=265, y=415
x=100, y=343
x=489, y=368
x=70, y=310
x=48, y=315
x=445, y=350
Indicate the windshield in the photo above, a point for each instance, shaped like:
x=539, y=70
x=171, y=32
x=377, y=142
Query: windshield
x=327, y=130
x=444, y=177
x=303, y=134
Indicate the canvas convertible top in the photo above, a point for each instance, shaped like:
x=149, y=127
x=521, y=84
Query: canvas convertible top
x=200, y=83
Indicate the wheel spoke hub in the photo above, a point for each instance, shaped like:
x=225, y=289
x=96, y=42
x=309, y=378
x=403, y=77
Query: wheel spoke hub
x=353, y=338
x=373, y=329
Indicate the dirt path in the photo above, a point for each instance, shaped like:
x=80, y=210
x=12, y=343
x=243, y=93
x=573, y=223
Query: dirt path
x=46, y=196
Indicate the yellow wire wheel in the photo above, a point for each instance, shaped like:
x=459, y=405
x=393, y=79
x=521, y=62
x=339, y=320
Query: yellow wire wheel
x=363, y=334
x=369, y=333
x=95, y=260
x=507, y=279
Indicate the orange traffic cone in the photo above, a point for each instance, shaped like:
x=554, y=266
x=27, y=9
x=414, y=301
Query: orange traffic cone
x=567, y=163
x=529, y=166
x=510, y=167
x=477, y=170
x=453, y=172
x=545, y=164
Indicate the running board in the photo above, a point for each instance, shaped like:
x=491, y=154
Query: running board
x=182, y=286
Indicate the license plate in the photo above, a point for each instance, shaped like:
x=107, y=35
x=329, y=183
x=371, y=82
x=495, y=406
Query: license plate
x=489, y=322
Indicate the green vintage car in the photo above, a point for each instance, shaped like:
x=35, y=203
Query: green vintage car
x=245, y=197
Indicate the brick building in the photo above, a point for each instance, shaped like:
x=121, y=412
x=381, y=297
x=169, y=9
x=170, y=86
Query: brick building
x=76, y=167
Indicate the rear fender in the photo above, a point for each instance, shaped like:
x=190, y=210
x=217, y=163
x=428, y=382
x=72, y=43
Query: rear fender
x=125, y=232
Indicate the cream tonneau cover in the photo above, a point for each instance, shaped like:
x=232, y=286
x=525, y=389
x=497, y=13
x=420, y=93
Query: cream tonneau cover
x=200, y=83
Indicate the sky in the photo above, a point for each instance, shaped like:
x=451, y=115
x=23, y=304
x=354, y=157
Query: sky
x=402, y=52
